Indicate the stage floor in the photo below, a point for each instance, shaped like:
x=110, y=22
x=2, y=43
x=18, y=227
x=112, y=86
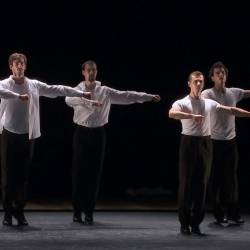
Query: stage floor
x=55, y=230
x=107, y=204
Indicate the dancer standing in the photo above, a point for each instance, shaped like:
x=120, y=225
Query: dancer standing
x=89, y=138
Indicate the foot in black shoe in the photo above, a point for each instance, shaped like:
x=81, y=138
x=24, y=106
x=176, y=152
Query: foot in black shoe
x=77, y=217
x=7, y=220
x=237, y=220
x=185, y=230
x=221, y=222
x=21, y=220
x=196, y=231
x=88, y=220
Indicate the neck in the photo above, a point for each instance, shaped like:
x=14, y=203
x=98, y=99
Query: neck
x=195, y=96
x=220, y=88
x=89, y=85
x=18, y=80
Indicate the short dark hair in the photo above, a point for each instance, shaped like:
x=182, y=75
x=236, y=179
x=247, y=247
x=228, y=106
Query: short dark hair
x=195, y=73
x=17, y=56
x=89, y=62
x=216, y=65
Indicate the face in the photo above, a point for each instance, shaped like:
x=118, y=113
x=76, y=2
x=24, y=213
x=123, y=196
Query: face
x=18, y=68
x=219, y=77
x=196, y=84
x=90, y=72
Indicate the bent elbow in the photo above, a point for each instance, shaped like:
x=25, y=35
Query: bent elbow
x=171, y=114
x=67, y=101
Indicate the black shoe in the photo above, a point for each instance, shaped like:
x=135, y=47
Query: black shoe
x=88, y=219
x=21, y=220
x=185, y=230
x=236, y=220
x=221, y=221
x=7, y=220
x=77, y=217
x=196, y=231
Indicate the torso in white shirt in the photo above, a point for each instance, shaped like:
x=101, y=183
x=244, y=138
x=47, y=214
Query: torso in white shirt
x=222, y=124
x=93, y=116
x=204, y=107
x=17, y=111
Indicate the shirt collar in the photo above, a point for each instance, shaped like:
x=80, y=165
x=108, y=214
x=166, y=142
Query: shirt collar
x=97, y=84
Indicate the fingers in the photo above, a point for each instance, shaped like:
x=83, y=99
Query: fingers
x=156, y=98
x=97, y=104
x=199, y=119
x=87, y=95
x=24, y=97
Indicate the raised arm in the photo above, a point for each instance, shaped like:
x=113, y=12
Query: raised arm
x=176, y=113
x=238, y=112
x=130, y=97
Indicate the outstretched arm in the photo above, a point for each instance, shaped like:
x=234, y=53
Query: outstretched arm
x=81, y=101
x=75, y=101
x=7, y=94
x=60, y=90
x=246, y=94
x=130, y=97
x=233, y=111
x=179, y=115
x=156, y=98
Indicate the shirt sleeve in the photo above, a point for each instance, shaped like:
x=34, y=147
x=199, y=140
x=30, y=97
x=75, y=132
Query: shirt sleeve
x=78, y=101
x=7, y=94
x=177, y=105
x=57, y=90
x=205, y=94
x=128, y=97
x=237, y=93
x=214, y=105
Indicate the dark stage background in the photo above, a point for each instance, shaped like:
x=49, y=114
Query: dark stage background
x=146, y=46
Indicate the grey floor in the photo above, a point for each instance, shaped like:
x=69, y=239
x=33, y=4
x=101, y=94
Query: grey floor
x=119, y=230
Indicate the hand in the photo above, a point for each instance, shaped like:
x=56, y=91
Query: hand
x=24, y=97
x=97, y=104
x=156, y=98
x=198, y=118
x=87, y=95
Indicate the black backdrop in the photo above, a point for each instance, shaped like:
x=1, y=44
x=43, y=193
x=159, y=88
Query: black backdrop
x=138, y=45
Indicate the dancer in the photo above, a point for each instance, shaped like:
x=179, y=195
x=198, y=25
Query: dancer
x=224, y=175
x=89, y=138
x=20, y=125
x=195, y=154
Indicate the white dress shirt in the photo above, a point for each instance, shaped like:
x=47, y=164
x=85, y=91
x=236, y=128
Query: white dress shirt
x=17, y=111
x=85, y=114
x=35, y=89
x=7, y=94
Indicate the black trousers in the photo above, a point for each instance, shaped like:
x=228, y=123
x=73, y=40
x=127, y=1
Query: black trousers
x=88, y=156
x=195, y=158
x=16, y=153
x=224, y=179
